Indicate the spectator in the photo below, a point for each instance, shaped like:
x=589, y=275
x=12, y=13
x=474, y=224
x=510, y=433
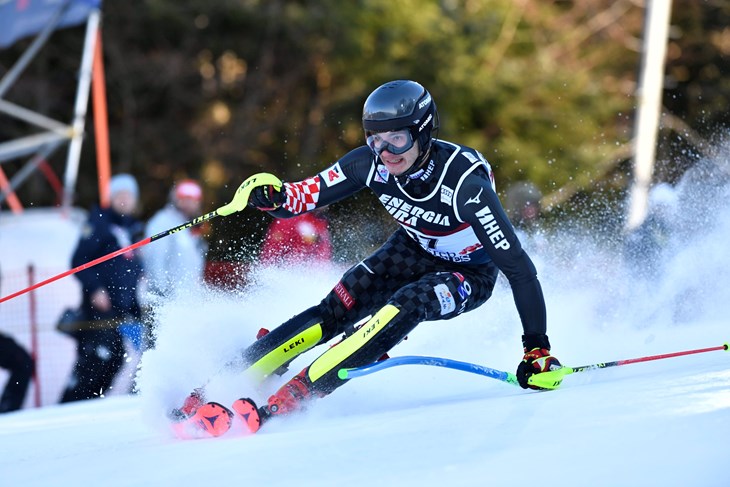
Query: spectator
x=20, y=365
x=645, y=244
x=523, y=204
x=109, y=291
x=180, y=258
x=302, y=239
x=523, y=207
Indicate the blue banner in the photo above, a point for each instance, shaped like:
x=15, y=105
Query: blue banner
x=23, y=18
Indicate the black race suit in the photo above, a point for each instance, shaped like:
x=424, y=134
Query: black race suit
x=443, y=261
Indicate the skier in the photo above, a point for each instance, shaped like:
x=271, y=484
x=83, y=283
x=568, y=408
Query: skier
x=454, y=238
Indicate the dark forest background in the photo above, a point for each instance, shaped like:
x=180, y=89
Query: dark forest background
x=220, y=90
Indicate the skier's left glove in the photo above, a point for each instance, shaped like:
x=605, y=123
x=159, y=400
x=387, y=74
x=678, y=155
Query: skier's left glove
x=267, y=197
x=537, y=359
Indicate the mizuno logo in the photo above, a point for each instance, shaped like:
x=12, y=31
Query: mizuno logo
x=475, y=199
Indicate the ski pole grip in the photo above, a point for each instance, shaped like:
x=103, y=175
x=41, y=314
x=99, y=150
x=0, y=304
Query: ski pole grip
x=240, y=199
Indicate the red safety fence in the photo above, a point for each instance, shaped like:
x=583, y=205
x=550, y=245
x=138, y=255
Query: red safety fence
x=31, y=320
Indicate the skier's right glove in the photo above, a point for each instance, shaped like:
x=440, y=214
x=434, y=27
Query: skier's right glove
x=537, y=359
x=266, y=197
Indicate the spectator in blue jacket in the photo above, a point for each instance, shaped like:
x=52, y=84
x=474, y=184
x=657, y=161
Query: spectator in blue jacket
x=109, y=291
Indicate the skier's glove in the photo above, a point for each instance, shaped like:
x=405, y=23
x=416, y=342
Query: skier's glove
x=266, y=197
x=537, y=359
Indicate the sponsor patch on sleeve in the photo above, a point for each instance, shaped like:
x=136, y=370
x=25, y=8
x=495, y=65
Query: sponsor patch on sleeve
x=332, y=175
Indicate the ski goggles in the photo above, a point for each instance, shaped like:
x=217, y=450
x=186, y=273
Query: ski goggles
x=396, y=141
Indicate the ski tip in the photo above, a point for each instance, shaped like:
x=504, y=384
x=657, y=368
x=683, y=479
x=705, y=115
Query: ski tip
x=248, y=413
x=210, y=420
x=214, y=418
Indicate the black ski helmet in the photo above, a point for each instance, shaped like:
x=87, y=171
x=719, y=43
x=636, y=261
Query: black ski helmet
x=402, y=104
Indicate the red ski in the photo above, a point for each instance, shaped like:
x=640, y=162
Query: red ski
x=248, y=413
x=212, y=419
x=209, y=420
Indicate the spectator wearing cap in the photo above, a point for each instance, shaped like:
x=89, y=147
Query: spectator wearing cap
x=644, y=246
x=523, y=207
x=177, y=261
x=109, y=290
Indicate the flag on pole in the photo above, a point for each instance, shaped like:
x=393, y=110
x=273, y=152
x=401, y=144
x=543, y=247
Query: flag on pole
x=24, y=18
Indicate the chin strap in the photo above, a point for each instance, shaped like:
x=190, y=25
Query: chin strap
x=404, y=179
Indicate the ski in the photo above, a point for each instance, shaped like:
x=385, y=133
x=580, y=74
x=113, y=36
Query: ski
x=210, y=420
x=249, y=414
x=213, y=419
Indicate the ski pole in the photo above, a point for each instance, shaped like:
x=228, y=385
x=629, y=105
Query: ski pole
x=239, y=202
x=553, y=378
x=545, y=380
x=508, y=377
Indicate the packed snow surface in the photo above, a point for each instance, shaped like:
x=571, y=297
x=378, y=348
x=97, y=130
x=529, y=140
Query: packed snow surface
x=659, y=423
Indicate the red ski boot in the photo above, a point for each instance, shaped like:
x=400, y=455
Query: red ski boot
x=189, y=407
x=289, y=398
x=293, y=395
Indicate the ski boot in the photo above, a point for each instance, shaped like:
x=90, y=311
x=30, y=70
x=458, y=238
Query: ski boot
x=190, y=406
